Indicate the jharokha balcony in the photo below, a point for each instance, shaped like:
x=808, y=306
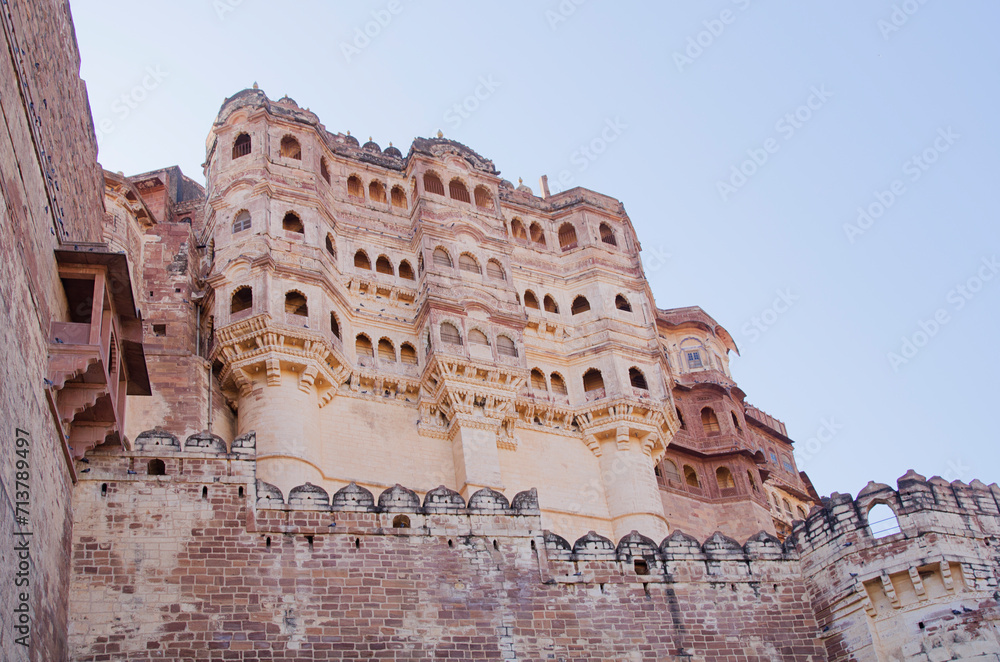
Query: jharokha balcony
x=96, y=358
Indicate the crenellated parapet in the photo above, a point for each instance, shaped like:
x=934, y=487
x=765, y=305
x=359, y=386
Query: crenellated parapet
x=900, y=572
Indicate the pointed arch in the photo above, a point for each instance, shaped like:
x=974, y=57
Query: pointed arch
x=468, y=263
x=537, y=234
x=530, y=300
x=691, y=476
x=432, y=184
x=384, y=266
x=406, y=271
x=398, y=197
x=580, y=305
x=484, y=199
x=323, y=170
x=242, y=299
x=361, y=261
x=292, y=223
x=724, y=478
x=709, y=421
x=506, y=346
x=567, y=236
x=290, y=148
x=334, y=325
x=495, y=270
x=621, y=303
x=376, y=191
x=477, y=337
x=608, y=235
x=550, y=304
x=355, y=188
x=386, y=351
x=517, y=230
x=296, y=303
x=538, y=380
x=242, y=145
x=637, y=379
x=592, y=381
x=450, y=334
x=407, y=354
x=331, y=247
x=442, y=258
x=241, y=221
x=457, y=190
x=363, y=346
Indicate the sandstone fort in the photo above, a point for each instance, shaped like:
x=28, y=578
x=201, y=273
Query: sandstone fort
x=329, y=400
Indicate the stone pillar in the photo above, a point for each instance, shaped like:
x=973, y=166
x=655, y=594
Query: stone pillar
x=630, y=485
x=474, y=448
x=286, y=420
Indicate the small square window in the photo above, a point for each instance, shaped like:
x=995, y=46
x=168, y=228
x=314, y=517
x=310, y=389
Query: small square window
x=774, y=458
x=694, y=359
x=786, y=463
x=159, y=329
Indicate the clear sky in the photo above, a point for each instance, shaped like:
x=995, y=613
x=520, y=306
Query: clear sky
x=819, y=177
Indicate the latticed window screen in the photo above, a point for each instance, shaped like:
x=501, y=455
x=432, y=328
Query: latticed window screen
x=449, y=334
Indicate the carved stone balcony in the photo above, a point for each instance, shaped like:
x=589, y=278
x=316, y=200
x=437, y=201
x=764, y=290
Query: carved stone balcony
x=95, y=359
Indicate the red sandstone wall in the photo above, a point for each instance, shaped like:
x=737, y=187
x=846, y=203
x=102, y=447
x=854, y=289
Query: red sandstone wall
x=48, y=136
x=162, y=572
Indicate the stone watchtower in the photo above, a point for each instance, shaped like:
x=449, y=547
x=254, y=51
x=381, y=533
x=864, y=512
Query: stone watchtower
x=382, y=318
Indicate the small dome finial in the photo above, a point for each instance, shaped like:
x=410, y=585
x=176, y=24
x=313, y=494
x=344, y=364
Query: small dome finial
x=348, y=132
x=390, y=143
x=520, y=181
x=255, y=85
x=369, y=138
x=440, y=133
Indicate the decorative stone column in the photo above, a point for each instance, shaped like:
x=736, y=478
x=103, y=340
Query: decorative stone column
x=630, y=488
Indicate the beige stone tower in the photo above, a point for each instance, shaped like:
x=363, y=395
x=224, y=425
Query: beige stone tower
x=379, y=319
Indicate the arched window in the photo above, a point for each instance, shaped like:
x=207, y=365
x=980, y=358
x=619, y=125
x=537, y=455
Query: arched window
x=398, y=197
x=241, y=222
x=530, y=300
x=517, y=230
x=290, y=148
x=483, y=197
x=450, y=334
x=241, y=146
x=156, y=467
x=736, y=421
x=691, y=476
x=361, y=261
x=537, y=235
x=669, y=471
x=550, y=304
x=505, y=346
x=788, y=507
x=376, y=192
x=882, y=521
x=801, y=512
x=724, y=478
x=580, y=305
x=334, y=325
x=709, y=421
x=637, y=379
x=295, y=303
x=457, y=191
x=406, y=271
x=292, y=223
x=680, y=417
x=407, y=354
x=538, y=380
x=420, y=264
x=363, y=346
x=242, y=299
x=592, y=380
x=777, y=504
x=355, y=188
x=477, y=337
x=386, y=351
x=752, y=481
x=558, y=384
x=383, y=265
x=432, y=184
x=608, y=235
x=323, y=171
x=330, y=247
x=691, y=354
x=441, y=257
x=495, y=270
x=621, y=303
x=567, y=236
x=468, y=263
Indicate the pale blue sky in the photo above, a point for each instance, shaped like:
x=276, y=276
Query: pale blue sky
x=884, y=85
